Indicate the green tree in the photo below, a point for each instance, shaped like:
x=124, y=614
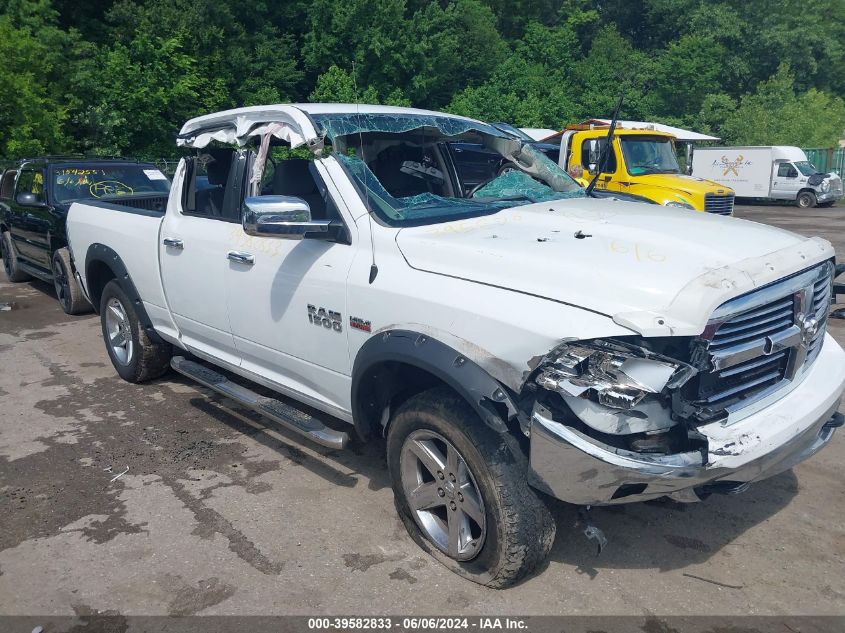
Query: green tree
x=338, y=86
x=137, y=95
x=373, y=34
x=450, y=48
x=123, y=75
x=33, y=73
x=775, y=115
x=684, y=75
x=613, y=67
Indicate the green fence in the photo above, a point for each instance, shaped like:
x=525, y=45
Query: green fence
x=827, y=160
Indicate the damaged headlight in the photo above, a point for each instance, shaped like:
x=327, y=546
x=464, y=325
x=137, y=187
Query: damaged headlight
x=615, y=387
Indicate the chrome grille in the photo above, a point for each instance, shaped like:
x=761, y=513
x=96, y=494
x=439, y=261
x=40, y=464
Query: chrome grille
x=759, y=340
x=722, y=204
x=822, y=299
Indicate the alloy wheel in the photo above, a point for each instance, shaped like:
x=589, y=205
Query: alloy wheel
x=119, y=331
x=444, y=499
x=7, y=259
x=61, y=283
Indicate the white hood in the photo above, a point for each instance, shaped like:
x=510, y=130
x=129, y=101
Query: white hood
x=657, y=271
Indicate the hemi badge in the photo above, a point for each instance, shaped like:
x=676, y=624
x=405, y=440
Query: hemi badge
x=360, y=324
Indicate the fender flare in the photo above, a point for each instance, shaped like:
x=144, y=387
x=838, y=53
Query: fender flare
x=106, y=255
x=455, y=369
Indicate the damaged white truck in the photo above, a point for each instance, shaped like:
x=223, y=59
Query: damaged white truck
x=510, y=339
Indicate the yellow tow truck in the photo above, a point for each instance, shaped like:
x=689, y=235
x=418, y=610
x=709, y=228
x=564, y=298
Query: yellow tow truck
x=642, y=162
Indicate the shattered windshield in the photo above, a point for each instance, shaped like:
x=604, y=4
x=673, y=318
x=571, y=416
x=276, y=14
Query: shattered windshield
x=407, y=174
x=344, y=124
x=649, y=155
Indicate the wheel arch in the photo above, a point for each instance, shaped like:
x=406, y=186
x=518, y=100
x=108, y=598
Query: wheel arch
x=394, y=365
x=102, y=265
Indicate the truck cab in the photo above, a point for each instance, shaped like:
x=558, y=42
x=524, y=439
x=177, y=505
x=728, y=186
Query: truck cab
x=642, y=163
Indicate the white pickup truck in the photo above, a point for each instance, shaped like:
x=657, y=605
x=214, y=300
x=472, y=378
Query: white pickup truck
x=509, y=339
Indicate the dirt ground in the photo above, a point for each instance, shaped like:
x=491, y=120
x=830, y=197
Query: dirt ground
x=220, y=512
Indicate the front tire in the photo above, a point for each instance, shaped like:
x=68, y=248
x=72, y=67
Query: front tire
x=67, y=288
x=461, y=490
x=10, y=261
x=135, y=357
x=806, y=200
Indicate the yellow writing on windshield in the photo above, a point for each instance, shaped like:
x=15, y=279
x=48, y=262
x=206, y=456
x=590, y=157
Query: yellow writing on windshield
x=74, y=171
x=109, y=188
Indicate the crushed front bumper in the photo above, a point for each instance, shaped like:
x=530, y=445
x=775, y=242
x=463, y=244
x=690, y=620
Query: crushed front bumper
x=579, y=469
x=828, y=196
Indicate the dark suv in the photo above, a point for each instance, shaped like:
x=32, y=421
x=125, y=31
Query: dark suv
x=35, y=197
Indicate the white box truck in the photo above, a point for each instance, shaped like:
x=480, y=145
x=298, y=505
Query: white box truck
x=778, y=172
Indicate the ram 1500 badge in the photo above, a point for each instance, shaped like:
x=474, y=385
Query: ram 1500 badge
x=506, y=337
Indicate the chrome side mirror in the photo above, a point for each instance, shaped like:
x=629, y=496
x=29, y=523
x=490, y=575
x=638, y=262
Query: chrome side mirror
x=286, y=217
x=27, y=199
x=594, y=153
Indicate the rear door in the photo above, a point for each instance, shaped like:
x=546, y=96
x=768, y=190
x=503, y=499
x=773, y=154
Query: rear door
x=200, y=225
x=591, y=149
x=7, y=193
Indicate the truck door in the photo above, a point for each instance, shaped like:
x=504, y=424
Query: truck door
x=202, y=220
x=287, y=297
x=786, y=181
x=591, y=149
x=29, y=224
x=7, y=195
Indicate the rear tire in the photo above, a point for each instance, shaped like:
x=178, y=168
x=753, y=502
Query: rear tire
x=67, y=288
x=10, y=260
x=502, y=530
x=806, y=200
x=135, y=357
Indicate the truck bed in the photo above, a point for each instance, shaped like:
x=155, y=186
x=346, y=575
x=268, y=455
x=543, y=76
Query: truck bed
x=130, y=228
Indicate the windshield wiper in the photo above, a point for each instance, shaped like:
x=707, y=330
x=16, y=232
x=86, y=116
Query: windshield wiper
x=644, y=171
x=605, y=151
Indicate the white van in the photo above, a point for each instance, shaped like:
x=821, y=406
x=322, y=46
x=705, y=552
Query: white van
x=778, y=172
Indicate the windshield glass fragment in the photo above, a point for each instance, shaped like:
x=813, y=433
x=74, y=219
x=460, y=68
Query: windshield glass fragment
x=515, y=185
x=335, y=125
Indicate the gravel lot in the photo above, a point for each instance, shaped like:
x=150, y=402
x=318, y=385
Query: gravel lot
x=222, y=513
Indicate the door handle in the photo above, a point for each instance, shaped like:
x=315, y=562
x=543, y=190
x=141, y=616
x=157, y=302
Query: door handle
x=172, y=242
x=241, y=257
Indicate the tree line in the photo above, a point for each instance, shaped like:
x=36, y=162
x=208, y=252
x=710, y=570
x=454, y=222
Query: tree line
x=121, y=76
